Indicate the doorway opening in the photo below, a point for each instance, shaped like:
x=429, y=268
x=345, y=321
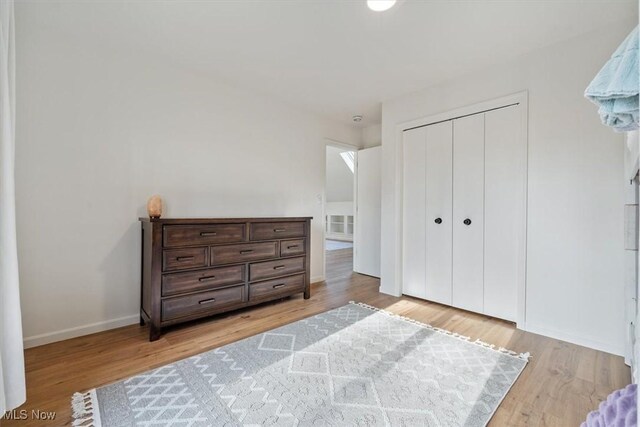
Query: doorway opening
x=339, y=212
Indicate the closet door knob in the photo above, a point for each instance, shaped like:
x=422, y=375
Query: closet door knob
x=467, y=221
x=438, y=221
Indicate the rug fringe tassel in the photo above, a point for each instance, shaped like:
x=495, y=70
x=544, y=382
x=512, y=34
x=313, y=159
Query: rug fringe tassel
x=85, y=410
x=523, y=356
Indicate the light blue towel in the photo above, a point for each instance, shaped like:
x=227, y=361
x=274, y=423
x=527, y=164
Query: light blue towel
x=615, y=88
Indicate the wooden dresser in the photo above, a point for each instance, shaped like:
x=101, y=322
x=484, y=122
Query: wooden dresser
x=192, y=268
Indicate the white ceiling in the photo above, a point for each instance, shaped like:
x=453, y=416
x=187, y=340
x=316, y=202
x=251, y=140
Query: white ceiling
x=336, y=58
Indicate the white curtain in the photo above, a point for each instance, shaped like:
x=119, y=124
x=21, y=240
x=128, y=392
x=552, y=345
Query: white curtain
x=12, y=382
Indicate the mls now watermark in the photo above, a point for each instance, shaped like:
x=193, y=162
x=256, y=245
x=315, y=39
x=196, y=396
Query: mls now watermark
x=34, y=414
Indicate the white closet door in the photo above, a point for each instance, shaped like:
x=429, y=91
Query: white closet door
x=504, y=192
x=468, y=212
x=438, y=194
x=414, y=149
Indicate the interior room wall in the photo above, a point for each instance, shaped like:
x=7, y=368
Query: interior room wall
x=339, y=208
x=100, y=130
x=575, y=248
x=372, y=136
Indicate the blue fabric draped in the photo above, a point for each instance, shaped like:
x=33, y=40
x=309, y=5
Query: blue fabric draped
x=615, y=88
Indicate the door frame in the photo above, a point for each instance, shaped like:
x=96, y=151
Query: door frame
x=328, y=142
x=522, y=100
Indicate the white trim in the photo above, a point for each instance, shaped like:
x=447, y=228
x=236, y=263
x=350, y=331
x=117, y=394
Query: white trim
x=516, y=98
x=354, y=238
x=78, y=331
x=575, y=339
x=521, y=314
x=340, y=144
x=521, y=98
x=92, y=328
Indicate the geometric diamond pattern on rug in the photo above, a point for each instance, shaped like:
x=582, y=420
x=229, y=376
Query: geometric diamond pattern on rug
x=277, y=342
x=354, y=391
x=161, y=395
x=349, y=366
x=304, y=362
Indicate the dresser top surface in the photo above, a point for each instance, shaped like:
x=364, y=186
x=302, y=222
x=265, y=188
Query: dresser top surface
x=223, y=220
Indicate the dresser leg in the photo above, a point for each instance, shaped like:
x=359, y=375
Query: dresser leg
x=141, y=321
x=154, y=332
x=307, y=293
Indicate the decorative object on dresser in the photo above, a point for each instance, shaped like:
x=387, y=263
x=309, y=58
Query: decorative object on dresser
x=193, y=268
x=154, y=206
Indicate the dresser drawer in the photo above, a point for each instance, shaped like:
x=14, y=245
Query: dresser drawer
x=173, y=308
x=181, y=259
x=276, y=230
x=292, y=247
x=190, y=235
x=275, y=288
x=280, y=267
x=178, y=283
x=229, y=254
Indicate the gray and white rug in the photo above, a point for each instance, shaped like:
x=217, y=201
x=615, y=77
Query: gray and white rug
x=352, y=366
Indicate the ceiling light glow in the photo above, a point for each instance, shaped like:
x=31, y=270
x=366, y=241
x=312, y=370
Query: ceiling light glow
x=380, y=5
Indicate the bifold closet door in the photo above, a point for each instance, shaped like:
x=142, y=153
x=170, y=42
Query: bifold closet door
x=414, y=230
x=427, y=223
x=468, y=212
x=464, y=209
x=504, y=203
x=438, y=196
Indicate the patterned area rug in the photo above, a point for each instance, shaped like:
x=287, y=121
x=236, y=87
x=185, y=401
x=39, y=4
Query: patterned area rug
x=355, y=365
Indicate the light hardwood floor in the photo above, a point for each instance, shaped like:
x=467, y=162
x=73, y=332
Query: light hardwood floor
x=559, y=386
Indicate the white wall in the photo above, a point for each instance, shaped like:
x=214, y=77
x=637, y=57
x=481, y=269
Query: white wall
x=575, y=247
x=99, y=131
x=339, y=208
x=372, y=136
x=339, y=179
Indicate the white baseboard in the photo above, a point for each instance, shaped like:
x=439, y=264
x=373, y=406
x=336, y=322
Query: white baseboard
x=92, y=328
x=78, y=331
x=559, y=335
x=392, y=292
x=574, y=339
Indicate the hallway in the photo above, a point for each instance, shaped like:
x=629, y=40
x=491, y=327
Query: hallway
x=339, y=264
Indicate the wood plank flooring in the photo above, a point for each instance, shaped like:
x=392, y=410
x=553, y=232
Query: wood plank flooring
x=559, y=386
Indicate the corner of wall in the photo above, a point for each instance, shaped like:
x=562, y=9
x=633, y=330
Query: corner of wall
x=371, y=136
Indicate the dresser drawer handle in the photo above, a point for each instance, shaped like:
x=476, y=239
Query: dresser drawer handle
x=208, y=233
x=184, y=258
x=207, y=301
x=279, y=230
x=248, y=251
x=278, y=286
x=278, y=267
x=202, y=279
x=292, y=246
